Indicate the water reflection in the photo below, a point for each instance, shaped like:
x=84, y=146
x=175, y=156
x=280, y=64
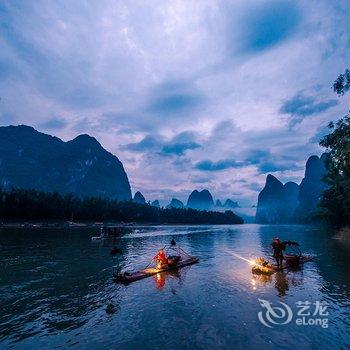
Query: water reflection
x=56, y=288
x=178, y=276
x=281, y=283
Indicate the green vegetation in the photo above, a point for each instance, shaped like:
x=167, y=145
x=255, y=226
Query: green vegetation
x=32, y=205
x=342, y=84
x=335, y=200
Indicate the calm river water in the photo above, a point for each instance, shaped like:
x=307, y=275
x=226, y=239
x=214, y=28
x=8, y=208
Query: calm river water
x=56, y=291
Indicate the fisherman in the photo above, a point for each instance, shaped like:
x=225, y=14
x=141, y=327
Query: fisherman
x=278, y=247
x=161, y=258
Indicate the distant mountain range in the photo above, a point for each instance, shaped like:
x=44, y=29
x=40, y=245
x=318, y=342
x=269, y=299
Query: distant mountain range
x=278, y=203
x=156, y=203
x=175, y=203
x=30, y=159
x=231, y=204
x=33, y=160
x=200, y=200
x=203, y=200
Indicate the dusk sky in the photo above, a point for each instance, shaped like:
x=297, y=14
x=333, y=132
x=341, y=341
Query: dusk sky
x=188, y=94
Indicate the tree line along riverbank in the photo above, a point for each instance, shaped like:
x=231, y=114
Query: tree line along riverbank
x=19, y=205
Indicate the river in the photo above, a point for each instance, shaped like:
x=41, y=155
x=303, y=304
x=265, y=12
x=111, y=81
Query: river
x=56, y=291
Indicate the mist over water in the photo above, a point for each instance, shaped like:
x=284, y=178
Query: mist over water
x=56, y=290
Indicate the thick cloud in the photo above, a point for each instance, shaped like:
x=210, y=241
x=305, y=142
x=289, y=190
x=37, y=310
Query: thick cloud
x=216, y=93
x=178, y=145
x=301, y=106
x=174, y=103
x=208, y=165
x=146, y=144
x=271, y=166
x=179, y=148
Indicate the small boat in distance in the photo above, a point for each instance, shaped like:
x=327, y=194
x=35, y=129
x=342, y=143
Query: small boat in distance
x=111, y=231
x=72, y=224
x=101, y=237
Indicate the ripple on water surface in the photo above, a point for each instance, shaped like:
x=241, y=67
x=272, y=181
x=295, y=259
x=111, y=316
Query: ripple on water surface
x=56, y=290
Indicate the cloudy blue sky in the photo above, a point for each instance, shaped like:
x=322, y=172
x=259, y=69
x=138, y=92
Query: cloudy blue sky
x=188, y=94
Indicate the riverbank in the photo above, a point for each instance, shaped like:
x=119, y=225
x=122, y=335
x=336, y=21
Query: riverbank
x=97, y=225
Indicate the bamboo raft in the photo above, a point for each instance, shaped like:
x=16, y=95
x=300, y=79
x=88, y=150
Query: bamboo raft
x=128, y=277
x=272, y=268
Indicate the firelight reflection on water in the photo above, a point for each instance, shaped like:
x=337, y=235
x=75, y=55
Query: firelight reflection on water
x=56, y=290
